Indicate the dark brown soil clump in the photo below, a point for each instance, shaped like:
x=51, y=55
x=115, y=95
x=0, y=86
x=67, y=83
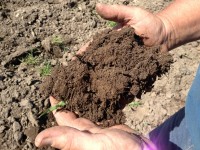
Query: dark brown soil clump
x=115, y=68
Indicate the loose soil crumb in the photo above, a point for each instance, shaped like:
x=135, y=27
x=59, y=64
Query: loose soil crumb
x=115, y=68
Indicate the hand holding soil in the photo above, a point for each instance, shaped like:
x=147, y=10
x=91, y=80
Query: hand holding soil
x=147, y=25
x=115, y=68
x=79, y=133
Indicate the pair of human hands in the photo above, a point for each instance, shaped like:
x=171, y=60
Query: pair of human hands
x=78, y=133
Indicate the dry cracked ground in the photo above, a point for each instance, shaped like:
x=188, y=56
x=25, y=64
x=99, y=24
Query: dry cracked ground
x=36, y=35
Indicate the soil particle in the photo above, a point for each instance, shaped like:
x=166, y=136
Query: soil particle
x=32, y=119
x=31, y=133
x=115, y=68
x=2, y=128
x=16, y=126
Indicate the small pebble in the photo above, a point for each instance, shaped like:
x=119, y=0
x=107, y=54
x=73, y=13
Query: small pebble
x=53, y=62
x=16, y=126
x=32, y=119
x=195, y=44
x=169, y=95
x=2, y=128
x=18, y=136
x=1, y=122
x=28, y=80
x=6, y=112
x=26, y=103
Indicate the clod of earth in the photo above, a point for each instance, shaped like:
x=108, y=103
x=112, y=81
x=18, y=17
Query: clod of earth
x=115, y=68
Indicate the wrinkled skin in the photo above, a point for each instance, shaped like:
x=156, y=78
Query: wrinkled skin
x=74, y=133
x=146, y=24
x=149, y=26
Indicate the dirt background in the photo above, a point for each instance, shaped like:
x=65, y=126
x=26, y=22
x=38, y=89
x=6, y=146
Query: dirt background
x=27, y=26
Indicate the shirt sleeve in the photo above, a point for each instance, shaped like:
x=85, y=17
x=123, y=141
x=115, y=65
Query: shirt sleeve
x=192, y=111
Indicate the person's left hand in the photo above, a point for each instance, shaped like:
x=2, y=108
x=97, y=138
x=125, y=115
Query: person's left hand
x=81, y=134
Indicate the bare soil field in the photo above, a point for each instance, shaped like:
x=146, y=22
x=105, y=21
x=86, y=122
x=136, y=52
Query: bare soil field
x=36, y=36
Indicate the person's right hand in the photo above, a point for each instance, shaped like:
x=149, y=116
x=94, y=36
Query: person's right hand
x=150, y=27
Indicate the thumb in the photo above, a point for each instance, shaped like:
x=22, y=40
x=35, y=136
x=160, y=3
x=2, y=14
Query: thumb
x=117, y=13
x=66, y=138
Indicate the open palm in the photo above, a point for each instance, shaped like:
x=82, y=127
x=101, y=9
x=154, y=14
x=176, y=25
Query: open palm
x=81, y=134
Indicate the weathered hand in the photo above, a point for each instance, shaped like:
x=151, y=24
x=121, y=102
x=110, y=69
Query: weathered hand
x=147, y=25
x=81, y=134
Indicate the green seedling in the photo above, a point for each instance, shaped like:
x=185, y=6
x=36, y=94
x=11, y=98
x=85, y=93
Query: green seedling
x=60, y=105
x=46, y=69
x=57, y=40
x=66, y=49
x=111, y=24
x=30, y=59
x=134, y=104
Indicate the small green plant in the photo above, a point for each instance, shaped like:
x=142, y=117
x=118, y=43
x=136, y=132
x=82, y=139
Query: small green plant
x=46, y=69
x=60, y=105
x=134, y=104
x=57, y=40
x=66, y=49
x=30, y=59
x=111, y=24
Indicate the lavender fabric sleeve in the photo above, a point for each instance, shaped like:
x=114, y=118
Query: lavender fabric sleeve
x=192, y=111
x=182, y=130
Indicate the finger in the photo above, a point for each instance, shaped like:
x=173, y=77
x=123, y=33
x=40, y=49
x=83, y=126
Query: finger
x=66, y=138
x=67, y=118
x=83, y=48
x=117, y=13
x=63, y=118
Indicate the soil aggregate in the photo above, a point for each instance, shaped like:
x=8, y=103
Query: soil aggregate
x=115, y=68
